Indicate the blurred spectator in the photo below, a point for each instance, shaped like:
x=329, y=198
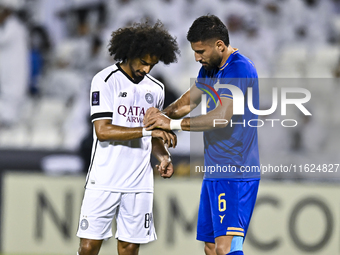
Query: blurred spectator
x=84, y=55
x=308, y=137
x=61, y=80
x=276, y=17
x=273, y=137
x=67, y=85
x=123, y=13
x=336, y=70
x=312, y=22
x=235, y=19
x=40, y=49
x=335, y=6
x=45, y=13
x=84, y=21
x=258, y=37
x=14, y=63
x=98, y=58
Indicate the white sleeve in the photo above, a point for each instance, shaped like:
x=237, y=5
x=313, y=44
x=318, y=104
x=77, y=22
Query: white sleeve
x=101, y=100
x=161, y=98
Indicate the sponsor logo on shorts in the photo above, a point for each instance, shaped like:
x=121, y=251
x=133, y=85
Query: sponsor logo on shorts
x=149, y=98
x=84, y=224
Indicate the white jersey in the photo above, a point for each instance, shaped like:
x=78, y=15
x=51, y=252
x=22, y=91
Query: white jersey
x=122, y=166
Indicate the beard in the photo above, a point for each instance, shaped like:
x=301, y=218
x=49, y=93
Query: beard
x=214, y=62
x=136, y=74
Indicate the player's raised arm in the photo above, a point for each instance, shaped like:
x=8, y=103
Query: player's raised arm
x=179, y=108
x=185, y=104
x=217, y=118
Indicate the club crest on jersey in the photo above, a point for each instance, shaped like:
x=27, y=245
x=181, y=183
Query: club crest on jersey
x=84, y=224
x=149, y=98
x=95, y=98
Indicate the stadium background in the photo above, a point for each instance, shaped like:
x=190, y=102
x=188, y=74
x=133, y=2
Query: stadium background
x=44, y=148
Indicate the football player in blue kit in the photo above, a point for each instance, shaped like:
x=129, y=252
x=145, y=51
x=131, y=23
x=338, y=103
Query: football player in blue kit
x=228, y=192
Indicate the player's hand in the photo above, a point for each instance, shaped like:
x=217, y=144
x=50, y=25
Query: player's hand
x=151, y=111
x=165, y=168
x=169, y=138
x=157, y=120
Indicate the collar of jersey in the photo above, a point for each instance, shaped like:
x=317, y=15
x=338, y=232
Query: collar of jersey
x=127, y=76
x=229, y=59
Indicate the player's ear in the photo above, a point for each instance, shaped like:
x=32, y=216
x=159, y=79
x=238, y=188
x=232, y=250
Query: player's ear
x=220, y=45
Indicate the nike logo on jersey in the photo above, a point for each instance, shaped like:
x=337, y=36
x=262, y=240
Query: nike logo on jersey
x=122, y=94
x=222, y=217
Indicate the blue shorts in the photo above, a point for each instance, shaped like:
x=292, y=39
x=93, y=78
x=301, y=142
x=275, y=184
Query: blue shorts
x=225, y=208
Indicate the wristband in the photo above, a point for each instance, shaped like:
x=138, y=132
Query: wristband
x=176, y=124
x=146, y=132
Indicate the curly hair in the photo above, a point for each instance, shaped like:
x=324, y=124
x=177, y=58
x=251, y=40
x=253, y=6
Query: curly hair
x=208, y=27
x=141, y=39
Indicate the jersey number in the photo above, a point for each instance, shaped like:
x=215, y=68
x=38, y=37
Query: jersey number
x=222, y=204
x=147, y=220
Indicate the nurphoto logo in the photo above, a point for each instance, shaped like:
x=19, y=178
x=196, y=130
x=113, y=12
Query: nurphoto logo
x=239, y=104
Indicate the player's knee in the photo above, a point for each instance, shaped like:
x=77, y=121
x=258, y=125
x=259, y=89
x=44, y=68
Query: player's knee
x=127, y=248
x=89, y=248
x=222, y=249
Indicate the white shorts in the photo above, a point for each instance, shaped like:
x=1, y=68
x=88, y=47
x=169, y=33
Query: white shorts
x=133, y=212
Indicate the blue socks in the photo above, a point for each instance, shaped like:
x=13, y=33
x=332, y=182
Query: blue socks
x=236, y=244
x=236, y=253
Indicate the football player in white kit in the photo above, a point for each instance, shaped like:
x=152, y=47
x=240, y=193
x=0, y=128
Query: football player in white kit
x=119, y=183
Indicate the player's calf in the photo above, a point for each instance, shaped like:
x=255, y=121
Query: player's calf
x=209, y=248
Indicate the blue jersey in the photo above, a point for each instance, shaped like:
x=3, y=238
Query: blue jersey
x=232, y=152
